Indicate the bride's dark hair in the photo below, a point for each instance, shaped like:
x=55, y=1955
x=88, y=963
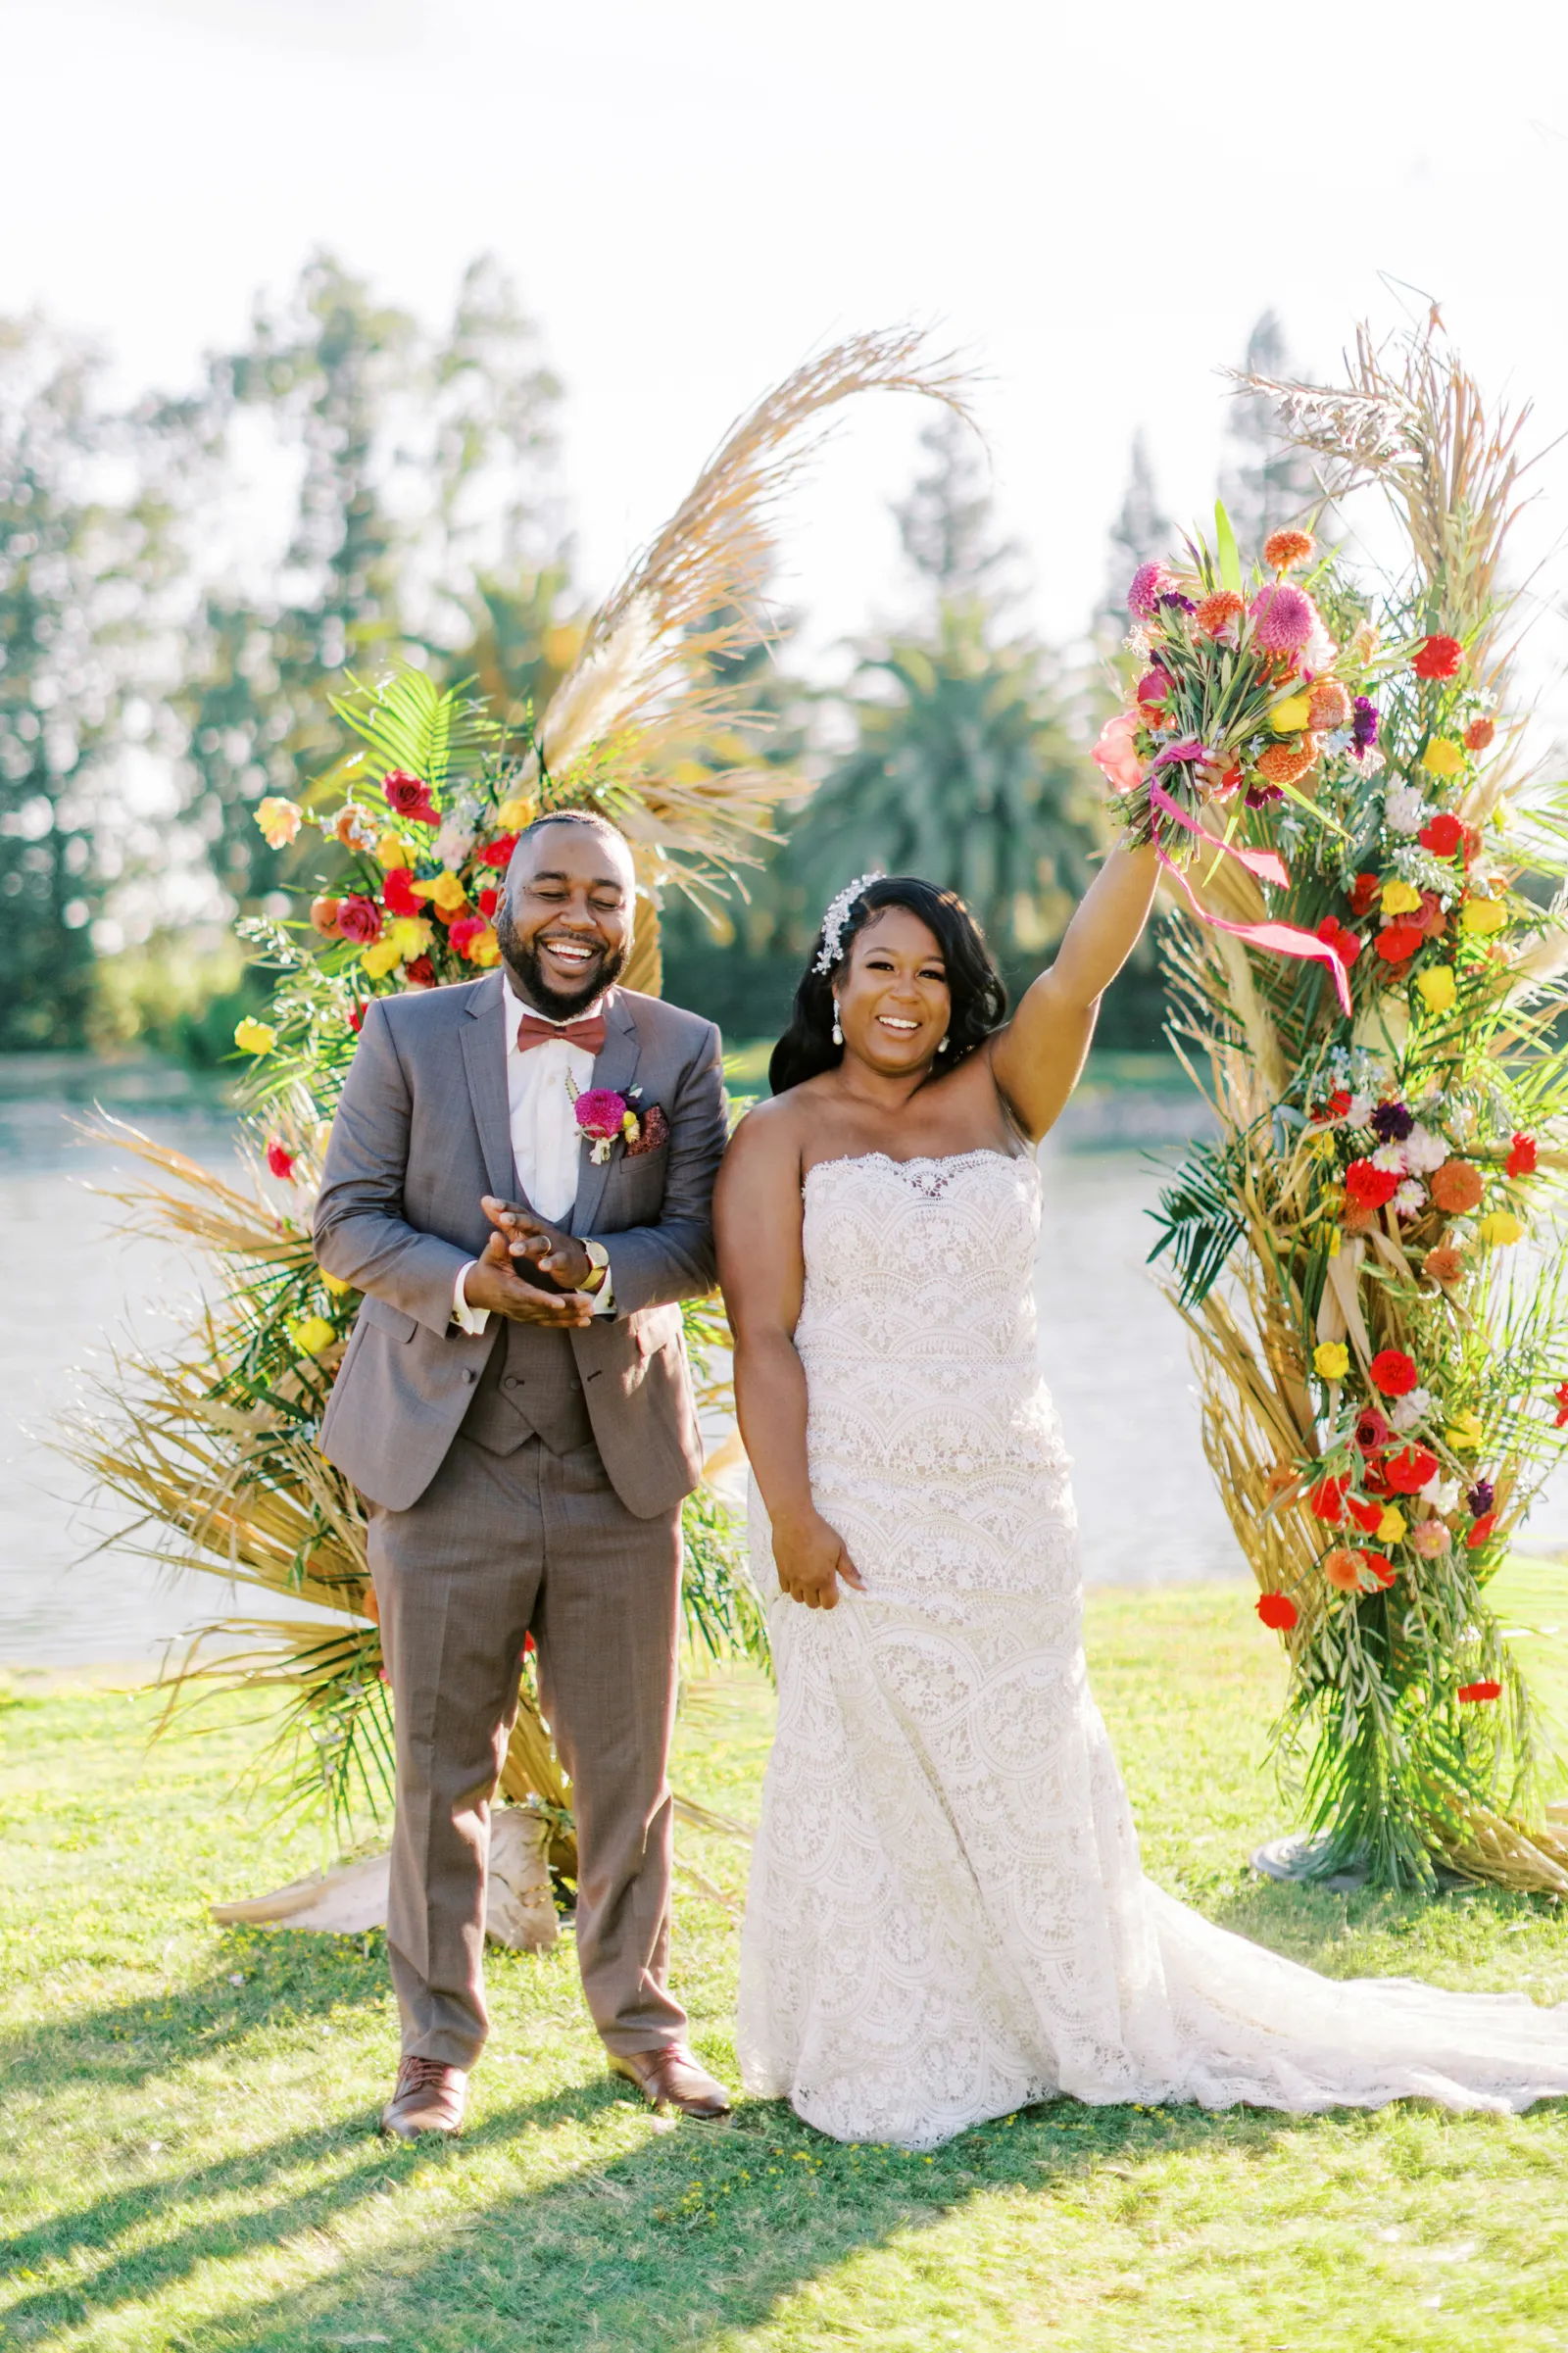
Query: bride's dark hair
x=979, y=999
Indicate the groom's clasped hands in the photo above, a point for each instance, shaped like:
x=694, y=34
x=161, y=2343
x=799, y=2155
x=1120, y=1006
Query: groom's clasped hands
x=493, y=1279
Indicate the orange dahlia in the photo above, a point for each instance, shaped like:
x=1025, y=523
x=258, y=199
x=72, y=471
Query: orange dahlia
x=1285, y=550
x=1218, y=613
x=1331, y=706
x=1477, y=736
x=1288, y=764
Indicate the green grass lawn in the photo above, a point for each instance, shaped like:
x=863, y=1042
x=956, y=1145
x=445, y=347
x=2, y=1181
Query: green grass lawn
x=188, y=2157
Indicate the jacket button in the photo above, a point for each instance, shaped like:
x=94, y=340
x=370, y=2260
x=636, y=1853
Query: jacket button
x=512, y=1381
x=470, y=1375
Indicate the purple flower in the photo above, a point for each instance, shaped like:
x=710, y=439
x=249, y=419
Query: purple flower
x=1364, y=724
x=1391, y=1122
x=1481, y=1498
x=1173, y=598
x=1258, y=796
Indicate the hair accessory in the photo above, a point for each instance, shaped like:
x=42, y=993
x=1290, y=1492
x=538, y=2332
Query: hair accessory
x=837, y=916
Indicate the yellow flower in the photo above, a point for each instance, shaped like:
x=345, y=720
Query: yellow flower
x=1401, y=897
x=1464, y=1433
x=1291, y=715
x=484, y=949
x=380, y=957
x=1443, y=758
x=312, y=1334
x=1437, y=987
x=1481, y=917
x=335, y=1284
x=444, y=889
x=1500, y=1228
x=279, y=820
x=1392, y=1526
x=393, y=851
x=1331, y=1359
x=512, y=816
x=255, y=1037
x=410, y=934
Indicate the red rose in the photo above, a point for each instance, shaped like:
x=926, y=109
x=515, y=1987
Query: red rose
x=1443, y=835
x=1277, y=1611
x=488, y=900
x=1346, y=944
x=1381, y=1566
x=398, y=895
x=1456, y=1187
x=1399, y=942
x=1480, y=1691
x=499, y=851
x=1392, y=1372
x=1371, y=1430
x=1153, y=687
x=1364, y=893
x=1366, y=1515
x=1409, y=1471
x=408, y=797
x=1481, y=1531
x=1327, y=1500
x=1438, y=658
x=280, y=1162
x=1369, y=1188
x=464, y=932
x=1522, y=1158
x=359, y=919
x=420, y=974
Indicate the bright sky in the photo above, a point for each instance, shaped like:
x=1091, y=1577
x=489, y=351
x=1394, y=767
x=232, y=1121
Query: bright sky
x=1094, y=203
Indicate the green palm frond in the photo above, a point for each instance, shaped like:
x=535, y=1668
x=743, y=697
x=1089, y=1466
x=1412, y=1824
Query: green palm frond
x=409, y=722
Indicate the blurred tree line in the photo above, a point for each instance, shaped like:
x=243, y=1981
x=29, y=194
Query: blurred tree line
x=185, y=582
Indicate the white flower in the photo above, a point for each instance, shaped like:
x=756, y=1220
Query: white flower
x=1404, y=810
x=1407, y=1412
x=1318, y=652
x=1360, y=1110
x=455, y=839
x=1390, y=1157
x=1424, y=1151
x=1442, y=1493
x=1409, y=1198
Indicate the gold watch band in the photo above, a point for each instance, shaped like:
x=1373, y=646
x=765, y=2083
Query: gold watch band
x=599, y=1267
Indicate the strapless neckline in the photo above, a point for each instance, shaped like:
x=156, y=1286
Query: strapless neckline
x=939, y=1160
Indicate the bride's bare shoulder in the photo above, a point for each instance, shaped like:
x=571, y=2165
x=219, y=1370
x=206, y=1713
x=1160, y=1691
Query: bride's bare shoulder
x=772, y=1140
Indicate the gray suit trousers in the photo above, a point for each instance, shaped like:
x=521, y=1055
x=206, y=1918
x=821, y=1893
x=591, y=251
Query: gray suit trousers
x=497, y=1546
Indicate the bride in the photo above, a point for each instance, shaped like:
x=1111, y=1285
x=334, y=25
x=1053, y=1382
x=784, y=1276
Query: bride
x=948, y=1918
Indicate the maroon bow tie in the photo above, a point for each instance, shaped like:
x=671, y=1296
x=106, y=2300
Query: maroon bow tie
x=587, y=1031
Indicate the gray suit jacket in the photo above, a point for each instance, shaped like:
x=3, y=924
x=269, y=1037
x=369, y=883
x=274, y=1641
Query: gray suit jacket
x=422, y=1130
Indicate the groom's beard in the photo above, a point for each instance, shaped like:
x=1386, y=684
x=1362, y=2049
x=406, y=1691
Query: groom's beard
x=524, y=967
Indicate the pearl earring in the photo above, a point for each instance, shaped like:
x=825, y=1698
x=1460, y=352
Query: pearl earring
x=838, y=1034
x=943, y=1047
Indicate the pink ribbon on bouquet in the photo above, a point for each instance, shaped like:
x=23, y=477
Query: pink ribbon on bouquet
x=1277, y=939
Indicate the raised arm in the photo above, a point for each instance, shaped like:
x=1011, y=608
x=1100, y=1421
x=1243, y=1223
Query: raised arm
x=1037, y=1059
x=756, y=1216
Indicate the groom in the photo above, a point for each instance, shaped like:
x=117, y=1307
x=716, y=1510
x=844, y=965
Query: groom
x=515, y=1408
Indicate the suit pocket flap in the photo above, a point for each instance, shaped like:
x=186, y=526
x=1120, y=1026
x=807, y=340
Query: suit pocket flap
x=391, y=1320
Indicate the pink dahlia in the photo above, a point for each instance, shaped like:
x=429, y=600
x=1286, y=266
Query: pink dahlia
x=1149, y=584
x=1283, y=617
x=600, y=1111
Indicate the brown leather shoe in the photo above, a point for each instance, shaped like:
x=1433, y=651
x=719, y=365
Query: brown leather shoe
x=671, y=2078
x=428, y=2098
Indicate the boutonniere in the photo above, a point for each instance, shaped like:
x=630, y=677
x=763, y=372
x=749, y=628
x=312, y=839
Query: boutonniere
x=605, y=1118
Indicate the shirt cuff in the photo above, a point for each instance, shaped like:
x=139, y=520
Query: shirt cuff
x=467, y=1318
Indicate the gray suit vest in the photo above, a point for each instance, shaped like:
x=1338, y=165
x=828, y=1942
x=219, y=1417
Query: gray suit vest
x=531, y=1387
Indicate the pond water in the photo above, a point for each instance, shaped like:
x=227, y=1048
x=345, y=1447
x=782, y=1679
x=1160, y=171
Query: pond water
x=1112, y=1351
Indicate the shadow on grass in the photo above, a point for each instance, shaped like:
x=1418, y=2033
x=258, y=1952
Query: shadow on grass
x=695, y=2233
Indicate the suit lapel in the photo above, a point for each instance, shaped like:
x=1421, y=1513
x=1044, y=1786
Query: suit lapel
x=484, y=1063
x=615, y=1067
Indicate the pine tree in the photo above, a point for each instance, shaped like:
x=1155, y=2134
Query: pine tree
x=1264, y=480
x=1141, y=532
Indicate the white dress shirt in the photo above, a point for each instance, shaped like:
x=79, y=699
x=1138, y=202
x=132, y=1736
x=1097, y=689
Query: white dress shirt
x=547, y=1143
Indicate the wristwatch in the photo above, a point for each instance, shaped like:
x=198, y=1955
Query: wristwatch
x=598, y=1267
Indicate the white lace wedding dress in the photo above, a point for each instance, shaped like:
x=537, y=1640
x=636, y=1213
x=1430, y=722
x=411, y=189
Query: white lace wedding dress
x=947, y=1916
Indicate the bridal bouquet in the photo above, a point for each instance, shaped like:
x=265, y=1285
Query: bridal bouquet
x=1243, y=700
